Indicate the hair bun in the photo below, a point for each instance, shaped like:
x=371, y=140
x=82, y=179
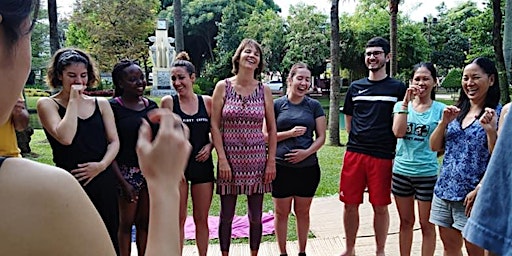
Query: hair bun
x=183, y=56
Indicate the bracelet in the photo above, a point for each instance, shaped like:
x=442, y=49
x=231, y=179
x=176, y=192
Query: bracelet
x=402, y=112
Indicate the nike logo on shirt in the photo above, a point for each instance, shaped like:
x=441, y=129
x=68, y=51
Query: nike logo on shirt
x=362, y=91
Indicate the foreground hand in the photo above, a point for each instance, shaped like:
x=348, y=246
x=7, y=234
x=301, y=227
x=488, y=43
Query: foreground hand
x=489, y=120
x=296, y=155
x=469, y=201
x=87, y=171
x=270, y=172
x=204, y=153
x=164, y=159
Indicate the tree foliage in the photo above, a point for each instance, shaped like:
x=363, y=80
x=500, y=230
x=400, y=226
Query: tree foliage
x=111, y=30
x=357, y=29
x=268, y=28
x=307, y=39
x=452, y=81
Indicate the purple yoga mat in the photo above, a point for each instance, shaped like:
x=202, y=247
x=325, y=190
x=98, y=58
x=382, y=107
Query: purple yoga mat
x=240, y=226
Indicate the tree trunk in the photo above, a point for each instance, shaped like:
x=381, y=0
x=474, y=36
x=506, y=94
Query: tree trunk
x=393, y=9
x=54, y=32
x=507, y=39
x=334, y=96
x=498, y=50
x=178, y=26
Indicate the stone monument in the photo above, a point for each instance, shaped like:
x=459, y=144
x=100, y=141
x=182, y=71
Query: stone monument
x=162, y=55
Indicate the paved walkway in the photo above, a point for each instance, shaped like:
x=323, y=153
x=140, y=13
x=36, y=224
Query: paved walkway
x=327, y=226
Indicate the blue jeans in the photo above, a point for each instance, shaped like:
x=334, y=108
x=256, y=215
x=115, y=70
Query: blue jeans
x=490, y=224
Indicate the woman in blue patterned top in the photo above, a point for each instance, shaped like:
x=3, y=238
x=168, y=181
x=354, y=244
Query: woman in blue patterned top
x=415, y=167
x=466, y=133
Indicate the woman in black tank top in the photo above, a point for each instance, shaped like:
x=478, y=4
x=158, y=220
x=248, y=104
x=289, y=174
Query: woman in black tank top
x=194, y=110
x=82, y=132
x=130, y=107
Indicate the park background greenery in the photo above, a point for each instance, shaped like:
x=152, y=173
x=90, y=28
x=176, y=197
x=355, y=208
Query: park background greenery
x=111, y=30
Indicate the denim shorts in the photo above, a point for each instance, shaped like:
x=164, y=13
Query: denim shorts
x=448, y=214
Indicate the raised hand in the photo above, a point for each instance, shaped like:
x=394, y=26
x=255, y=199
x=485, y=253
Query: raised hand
x=449, y=114
x=76, y=91
x=163, y=159
x=489, y=120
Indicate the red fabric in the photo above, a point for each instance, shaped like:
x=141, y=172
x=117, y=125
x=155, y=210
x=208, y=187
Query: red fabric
x=360, y=171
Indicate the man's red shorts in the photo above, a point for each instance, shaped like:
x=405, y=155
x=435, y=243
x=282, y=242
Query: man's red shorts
x=360, y=171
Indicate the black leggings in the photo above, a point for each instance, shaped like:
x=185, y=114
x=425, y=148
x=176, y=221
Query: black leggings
x=227, y=212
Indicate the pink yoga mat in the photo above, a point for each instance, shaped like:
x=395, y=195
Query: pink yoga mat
x=240, y=226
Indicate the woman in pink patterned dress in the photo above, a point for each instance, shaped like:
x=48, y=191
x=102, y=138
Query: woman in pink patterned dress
x=245, y=165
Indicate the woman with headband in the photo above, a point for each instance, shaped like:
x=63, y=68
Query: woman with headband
x=81, y=131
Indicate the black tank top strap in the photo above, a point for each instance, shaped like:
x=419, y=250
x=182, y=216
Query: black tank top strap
x=1, y=161
x=176, y=105
x=201, y=106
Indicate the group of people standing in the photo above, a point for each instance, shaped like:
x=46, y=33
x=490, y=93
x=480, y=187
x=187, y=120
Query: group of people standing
x=132, y=159
x=381, y=113
x=95, y=139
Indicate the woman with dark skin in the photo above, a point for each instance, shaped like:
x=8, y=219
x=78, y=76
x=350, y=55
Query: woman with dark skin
x=195, y=111
x=45, y=211
x=129, y=107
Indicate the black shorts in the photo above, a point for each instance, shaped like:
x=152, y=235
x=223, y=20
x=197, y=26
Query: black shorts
x=295, y=181
x=422, y=188
x=199, y=172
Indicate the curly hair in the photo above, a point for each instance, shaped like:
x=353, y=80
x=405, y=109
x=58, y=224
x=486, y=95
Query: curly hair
x=65, y=57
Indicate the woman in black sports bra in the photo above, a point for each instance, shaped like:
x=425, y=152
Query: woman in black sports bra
x=195, y=111
x=82, y=132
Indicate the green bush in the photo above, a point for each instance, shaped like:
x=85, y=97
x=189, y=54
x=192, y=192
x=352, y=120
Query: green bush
x=32, y=92
x=205, y=85
x=36, y=86
x=197, y=89
x=452, y=81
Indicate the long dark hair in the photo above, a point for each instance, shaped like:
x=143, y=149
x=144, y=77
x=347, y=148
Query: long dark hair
x=13, y=13
x=433, y=73
x=492, y=99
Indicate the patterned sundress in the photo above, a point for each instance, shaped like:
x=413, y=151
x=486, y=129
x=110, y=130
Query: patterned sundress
x=244, y=143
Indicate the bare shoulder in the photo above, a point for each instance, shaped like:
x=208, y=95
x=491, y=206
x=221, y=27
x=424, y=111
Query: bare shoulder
x=207, y=99
x=45, y=102
x=506, y=108
x=37, y=199
x=102, y=102
x=167, y=102
x=220, y=89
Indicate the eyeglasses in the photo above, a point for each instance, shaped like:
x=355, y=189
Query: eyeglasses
x=374, y=53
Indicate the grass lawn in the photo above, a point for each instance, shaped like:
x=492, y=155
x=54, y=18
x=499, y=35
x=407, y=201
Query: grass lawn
x=330, y=158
